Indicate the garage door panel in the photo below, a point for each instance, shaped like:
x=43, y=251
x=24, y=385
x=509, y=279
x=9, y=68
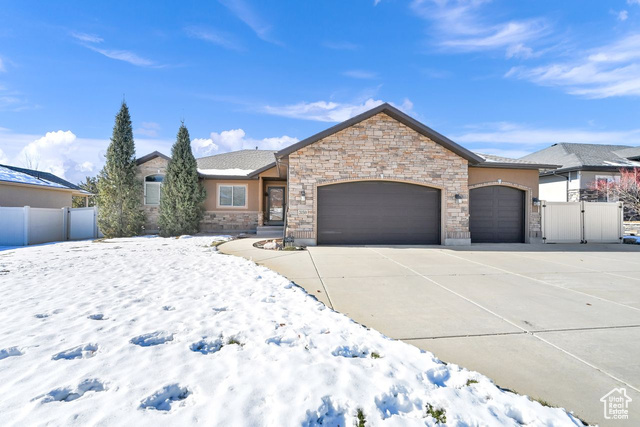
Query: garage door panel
x=496, y=215
x=378, y=212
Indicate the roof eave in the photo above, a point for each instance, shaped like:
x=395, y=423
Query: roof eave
x=262, y=169
x=587, y=169
x=395, y=114
x=499, y=165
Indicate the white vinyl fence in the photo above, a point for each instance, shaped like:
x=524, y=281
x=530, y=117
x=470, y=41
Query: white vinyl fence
x=30, y=226
x=582, y=222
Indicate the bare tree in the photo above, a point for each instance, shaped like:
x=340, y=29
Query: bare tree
x=627, y=189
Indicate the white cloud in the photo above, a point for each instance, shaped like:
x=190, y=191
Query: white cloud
x=246, y=14
x=216, y=37
x=623, y=15
x=327, y=111
x=85, y=167
x=607, y=71
x=3, y=157
x=458, y=26
x=124, y=55
x=632, y=2
x=236, y=139
x=148, y=129
x=521, y=134
x=49, y=153
x=84, y=37
x=360, y=74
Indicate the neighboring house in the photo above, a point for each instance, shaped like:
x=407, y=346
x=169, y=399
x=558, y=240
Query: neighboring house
x=378, y=178
x=582, y=165
x=26, y=187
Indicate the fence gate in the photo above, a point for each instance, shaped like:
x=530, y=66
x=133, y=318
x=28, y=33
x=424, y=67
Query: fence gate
x=82, y=224
x=582, y=222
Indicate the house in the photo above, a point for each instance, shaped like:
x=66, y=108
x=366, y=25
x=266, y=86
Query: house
x=580, y=167
x=378, y=178
x=27, y=187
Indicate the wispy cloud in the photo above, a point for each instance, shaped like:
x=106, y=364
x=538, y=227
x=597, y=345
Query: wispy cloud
x=623, y=15
x=360, y=74
x=212, y=36
x=326, y=111
x=607, y=71
x=236, y=139
x=533, y=136
x=89, y=38
x=91, y=41
x=148, y=129
x=340, y=45
x=246, y=14
x=124, y=55
x=458, y=26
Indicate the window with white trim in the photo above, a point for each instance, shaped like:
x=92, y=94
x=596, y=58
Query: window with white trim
x=153, y=189
x=607, y=194
x=232, y=196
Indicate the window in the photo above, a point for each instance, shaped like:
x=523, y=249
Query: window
x=232, y=196
x=153, y=189
x=607, y=194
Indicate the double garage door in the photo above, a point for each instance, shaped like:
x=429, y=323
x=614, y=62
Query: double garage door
x=391, y=213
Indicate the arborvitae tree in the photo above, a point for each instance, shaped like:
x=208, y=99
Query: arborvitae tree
x=89, y=184
x=181, y=204
x=119, y=192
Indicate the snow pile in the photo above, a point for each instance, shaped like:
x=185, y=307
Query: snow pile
x=10, y=175
x=153, y=331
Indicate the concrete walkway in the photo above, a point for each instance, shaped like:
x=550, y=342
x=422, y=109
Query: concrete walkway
x=556, y=322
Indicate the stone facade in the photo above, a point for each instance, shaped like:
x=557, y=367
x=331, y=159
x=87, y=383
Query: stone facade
x=378, y=148
x=216, y=221
x=155, y=166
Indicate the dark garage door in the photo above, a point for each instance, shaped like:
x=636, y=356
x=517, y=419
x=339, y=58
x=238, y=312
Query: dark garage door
x=496, y=215
x=378, y=212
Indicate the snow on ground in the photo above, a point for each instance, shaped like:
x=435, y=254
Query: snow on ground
x=154, y=331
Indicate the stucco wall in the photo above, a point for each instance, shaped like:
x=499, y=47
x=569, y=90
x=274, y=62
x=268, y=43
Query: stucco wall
x=154, y=166
x=523, y=179
x=377, y=148
x=553, y=188
x=23, y=195
x=211, y=187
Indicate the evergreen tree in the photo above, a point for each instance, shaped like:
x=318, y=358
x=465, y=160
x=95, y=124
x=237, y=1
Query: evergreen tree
x=89, y=184
x=119, y=192
x=181, y=204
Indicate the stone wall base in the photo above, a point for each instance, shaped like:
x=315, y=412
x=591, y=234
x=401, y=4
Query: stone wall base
x=457, y=242
x=217, y=221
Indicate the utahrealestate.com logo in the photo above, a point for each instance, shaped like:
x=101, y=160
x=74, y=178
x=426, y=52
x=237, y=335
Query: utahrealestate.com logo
x=616, y=404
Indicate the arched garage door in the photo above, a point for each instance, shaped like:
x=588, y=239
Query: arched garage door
x=496, y=214
x=378, y=212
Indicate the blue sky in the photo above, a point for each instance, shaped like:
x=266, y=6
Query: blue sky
x=500, y=76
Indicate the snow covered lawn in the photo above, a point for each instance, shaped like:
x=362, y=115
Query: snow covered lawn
x=153, y=331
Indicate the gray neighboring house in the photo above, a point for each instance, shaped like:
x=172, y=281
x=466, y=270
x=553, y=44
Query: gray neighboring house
x=581, y=165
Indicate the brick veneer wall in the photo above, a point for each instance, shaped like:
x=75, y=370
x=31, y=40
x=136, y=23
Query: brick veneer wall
x=377, y=148
x=154, y=166
x=214, y=221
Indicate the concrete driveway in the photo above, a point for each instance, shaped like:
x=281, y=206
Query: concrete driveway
x=556, y=322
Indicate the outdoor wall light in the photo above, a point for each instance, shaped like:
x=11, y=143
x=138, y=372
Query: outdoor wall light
x=536, y=201
x=303, y=196
x=458, y=198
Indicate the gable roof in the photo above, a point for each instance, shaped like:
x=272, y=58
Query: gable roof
x=595, y=157
x=151, y=156
x=491, y=161
x=18, y=175
x=395, y=114
x=236, y=163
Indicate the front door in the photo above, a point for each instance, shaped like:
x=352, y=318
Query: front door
x=275, y=205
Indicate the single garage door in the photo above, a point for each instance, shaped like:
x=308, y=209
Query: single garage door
x=378, y=212
x=496, y=215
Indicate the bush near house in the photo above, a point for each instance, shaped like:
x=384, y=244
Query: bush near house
x=90, y=184
x=182, y=201
x=120, y=212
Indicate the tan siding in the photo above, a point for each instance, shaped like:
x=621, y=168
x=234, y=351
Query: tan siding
x=23, y=195
x=525, y=177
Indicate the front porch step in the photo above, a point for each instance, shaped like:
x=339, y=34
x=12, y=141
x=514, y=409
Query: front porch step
x=275, y=231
